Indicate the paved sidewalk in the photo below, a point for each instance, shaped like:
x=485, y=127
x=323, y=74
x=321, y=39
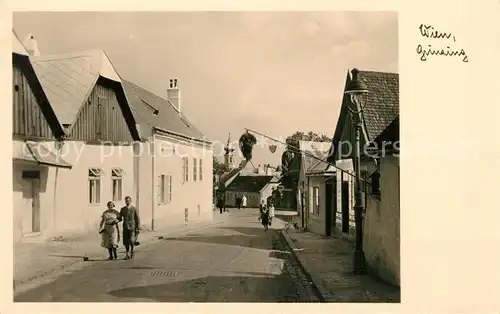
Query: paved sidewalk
x=32, y=261
x=328, y=261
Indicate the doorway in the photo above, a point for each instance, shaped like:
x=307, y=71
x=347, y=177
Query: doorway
x=345, y=207
x=31, y=202
x=328, y=208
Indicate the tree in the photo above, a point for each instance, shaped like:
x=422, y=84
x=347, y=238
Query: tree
x=293, y=140
x=219, y=168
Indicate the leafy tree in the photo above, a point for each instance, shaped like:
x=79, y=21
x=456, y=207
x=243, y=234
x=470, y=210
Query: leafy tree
x=293, y=140
x=219, y=167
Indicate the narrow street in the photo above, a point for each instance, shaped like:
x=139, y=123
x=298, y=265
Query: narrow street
x=232, y=262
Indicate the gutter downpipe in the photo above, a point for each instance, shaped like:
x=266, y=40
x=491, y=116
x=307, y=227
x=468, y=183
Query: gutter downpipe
x=153, y=179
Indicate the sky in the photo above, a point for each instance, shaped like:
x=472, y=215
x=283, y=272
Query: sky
x=272, y=72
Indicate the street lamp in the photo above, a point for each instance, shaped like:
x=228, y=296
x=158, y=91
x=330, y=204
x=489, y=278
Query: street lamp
x=356, y=88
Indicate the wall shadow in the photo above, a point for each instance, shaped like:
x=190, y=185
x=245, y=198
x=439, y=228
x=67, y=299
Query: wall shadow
x=215, y=289
x=256, y=238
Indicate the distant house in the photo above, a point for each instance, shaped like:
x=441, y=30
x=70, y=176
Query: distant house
x=36, y=135
x=309, y=187
x=175, y=170
x=88, y=99
x=382, y=221
x=255, y=188
x=381, y=107
x=320, y=183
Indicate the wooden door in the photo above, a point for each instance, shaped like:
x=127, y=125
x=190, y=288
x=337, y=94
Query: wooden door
x=328, y=208
x=31, y=206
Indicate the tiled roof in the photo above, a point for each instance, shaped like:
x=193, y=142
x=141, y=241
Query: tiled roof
x=249, y=183
x=144, y=103
x=68, y=79
x=390, y=133
x=381, y=105
x=318, y=149
x=382, y=102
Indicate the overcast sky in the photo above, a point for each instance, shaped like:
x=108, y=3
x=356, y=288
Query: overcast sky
x=274, y=72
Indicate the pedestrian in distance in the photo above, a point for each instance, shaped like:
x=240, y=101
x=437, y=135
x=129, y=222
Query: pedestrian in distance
x=131, y=224
x=220, y=204
x=262, y=207
x=244, y=201
x=264, y=220
x=271, y=213
x=238, y=201
x=109, y=230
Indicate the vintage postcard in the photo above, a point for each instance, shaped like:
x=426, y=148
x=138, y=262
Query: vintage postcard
x=206, y=155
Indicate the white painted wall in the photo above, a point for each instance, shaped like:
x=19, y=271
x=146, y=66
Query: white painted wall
x=190, y=194
x=74, y=213
x=381, y=231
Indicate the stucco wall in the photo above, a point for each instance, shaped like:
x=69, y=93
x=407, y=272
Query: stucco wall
x=22, y=199
x=382, y=225
x=196, y=196
x=74, y=213
x=316, y=223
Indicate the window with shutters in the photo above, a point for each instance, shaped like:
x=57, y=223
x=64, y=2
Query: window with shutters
x=117, y=183
x=164, y=189
x=185, y=169
x=201, y=169
x=94, y=178
x=195, y=168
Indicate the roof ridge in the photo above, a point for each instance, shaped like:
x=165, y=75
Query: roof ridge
x=67, y=55
x=378, y=72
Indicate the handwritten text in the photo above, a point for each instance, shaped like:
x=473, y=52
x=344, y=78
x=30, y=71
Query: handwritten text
x=428, y=31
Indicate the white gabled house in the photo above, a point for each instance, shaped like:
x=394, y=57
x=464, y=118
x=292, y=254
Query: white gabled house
x=174, y=163
x=112, y=138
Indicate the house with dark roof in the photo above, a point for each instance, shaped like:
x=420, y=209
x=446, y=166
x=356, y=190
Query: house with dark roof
x=381, y=227
x=310, y=196
x=175, y=174
x=380, y=108
x=255, y=187
x=36, y=133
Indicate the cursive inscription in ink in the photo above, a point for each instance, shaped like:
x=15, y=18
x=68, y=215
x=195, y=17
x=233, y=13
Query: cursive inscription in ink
x=429, y=32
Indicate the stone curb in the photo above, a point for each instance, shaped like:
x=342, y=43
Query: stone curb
x=17, y=284
x=321, y=291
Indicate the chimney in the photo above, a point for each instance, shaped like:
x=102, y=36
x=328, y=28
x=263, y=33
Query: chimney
x=174, y=95
x=31, y=45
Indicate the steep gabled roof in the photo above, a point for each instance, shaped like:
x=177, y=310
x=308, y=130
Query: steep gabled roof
x=381, y=105
x=68, y=79
x=249, y=184
x=390, y=133
x=20, y=58
x=17, y=46
x=317, y=149
x=155, y=111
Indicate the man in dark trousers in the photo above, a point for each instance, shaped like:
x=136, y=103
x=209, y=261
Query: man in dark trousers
x=131, y=224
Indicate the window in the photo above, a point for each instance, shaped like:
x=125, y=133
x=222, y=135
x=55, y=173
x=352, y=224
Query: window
x=164, y=189
x=117, y=183
x=185, y=169
x=316, y=200
x=95, y=185
x=195, y=168
x=201, y=169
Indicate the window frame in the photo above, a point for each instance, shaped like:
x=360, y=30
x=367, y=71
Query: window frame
x=195, y=169
x=316, y=200
x=185, y=169
x=201, y=169
x=117, y=175
x=94, y=178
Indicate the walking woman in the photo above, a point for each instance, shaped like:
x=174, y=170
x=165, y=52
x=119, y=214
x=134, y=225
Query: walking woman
x=109, y=230
x=264, y=218
x=271, y=212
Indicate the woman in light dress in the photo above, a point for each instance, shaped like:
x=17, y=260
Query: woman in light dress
x=109, y=230
x=271, y=212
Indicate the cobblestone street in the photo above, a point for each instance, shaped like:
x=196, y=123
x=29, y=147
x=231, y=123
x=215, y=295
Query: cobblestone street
x=236, y=261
